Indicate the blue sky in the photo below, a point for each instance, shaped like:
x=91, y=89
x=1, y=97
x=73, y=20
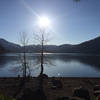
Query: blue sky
x=71, y=22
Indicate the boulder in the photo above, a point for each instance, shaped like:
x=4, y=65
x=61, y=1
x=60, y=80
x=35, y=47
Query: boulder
x=97, y=93
x=76, y=98
x=96, y=90
x=57, y=84
x=44, y=76
x=97, y=87
x=82, y=93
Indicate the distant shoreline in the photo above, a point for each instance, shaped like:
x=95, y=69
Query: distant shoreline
x=54, y=77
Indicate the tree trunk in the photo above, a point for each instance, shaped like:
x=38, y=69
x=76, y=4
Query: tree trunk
x=24, y=64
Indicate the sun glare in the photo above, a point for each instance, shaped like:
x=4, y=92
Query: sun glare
x=44, y=21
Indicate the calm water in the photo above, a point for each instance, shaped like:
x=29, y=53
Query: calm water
x=66, y=65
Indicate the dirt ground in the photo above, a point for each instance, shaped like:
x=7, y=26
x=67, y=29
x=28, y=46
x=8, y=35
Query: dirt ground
x=9, y=87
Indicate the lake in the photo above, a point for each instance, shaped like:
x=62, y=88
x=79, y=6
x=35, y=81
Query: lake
x=57, y=64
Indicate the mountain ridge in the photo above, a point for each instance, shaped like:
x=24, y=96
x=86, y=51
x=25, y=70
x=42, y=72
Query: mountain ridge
x=90, y=46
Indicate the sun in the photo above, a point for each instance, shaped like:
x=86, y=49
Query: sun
x=44, y=21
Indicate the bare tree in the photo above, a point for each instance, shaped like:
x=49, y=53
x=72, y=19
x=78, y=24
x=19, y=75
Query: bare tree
x=26, y=64
x=41, y=38
x=24, y=42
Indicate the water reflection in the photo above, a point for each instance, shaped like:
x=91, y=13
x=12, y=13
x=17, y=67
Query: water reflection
x=71, y=65
x=91, y=60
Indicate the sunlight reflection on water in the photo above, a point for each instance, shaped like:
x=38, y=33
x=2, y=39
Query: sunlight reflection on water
x=63, y=65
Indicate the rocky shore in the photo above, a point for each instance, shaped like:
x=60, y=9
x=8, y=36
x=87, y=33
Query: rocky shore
x=55, y=88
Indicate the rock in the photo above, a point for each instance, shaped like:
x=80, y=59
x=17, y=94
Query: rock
x=96, y=93
x=44, y=76
x=97, y=87
x=76, y=98
x=82, y=93
x=62, y=98
x=97, y=90
x=54, y=87
x=57, y=84
x=89, y=82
